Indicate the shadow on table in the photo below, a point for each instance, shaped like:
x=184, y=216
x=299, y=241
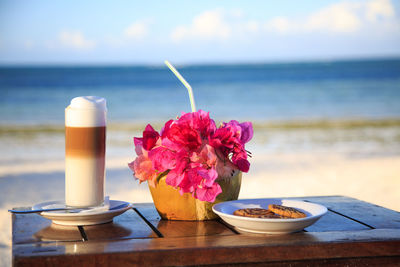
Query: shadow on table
x=105, y=231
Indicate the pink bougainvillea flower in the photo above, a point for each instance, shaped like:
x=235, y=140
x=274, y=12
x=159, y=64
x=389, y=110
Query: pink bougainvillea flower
x=206, y=157
x=138, y=145
x=202, y=122
x=182, y=135
x=143, y=170
x=148, y=141
x=163, y=158
x=150, y=137
x=201, y=183
x=242, y=163
x=208, y=176
x=189, y=129
x=230, y=139
x=176, y=176
x=193, y=152
x=246, y=132
x=208, y=193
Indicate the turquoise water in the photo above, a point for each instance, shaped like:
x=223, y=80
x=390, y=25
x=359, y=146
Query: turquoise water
x=263, y=92
x=348, y=106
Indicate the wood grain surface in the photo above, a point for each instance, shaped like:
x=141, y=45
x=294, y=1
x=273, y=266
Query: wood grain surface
x=353, y=232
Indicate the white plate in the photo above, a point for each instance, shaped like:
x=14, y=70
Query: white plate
x=95, y=216
x=269, y=226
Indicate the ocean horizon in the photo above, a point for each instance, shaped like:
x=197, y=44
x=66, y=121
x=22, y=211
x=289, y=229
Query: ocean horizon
x=348, y=106
x=270, y=91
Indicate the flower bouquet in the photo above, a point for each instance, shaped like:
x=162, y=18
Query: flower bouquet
x=192, y=164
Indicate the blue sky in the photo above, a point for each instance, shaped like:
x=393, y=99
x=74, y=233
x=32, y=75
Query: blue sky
x=148, y=32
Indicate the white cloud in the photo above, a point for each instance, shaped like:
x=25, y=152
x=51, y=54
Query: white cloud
x=341, y=17
x=137, y=30
x=209, y=25
x=179, y=33
x=280, y=24
x=379, y=8
x=251, y=26
x=75, y=40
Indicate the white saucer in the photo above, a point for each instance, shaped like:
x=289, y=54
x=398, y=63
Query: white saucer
x=269, y=226
x=88, y=217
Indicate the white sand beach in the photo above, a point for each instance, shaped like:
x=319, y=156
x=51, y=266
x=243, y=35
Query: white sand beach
x=370, y=179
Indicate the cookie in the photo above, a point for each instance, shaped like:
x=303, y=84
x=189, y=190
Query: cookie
x=286, y=211
x=256, y=213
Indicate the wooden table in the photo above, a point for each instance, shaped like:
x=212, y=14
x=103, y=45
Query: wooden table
x=353, y=232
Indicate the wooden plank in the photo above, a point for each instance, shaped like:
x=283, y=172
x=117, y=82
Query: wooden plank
x=33, y=228
x=369, y=214
x=96, y=260
x=189, y=243
x=148, y=211
x=334, y=222
x=229, y=249
x=192, y=228
x=182, y=228
x=127, y=225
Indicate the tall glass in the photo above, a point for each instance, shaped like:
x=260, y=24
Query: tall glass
x=85, y=146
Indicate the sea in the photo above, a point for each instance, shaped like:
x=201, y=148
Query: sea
x=352, y=107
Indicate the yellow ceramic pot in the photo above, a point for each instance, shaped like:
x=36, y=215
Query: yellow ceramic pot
x=171, y=205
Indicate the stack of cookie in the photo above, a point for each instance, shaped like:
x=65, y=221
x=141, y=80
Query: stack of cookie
x=274, y=211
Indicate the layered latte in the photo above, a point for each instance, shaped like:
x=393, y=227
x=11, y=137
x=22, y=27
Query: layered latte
x=85, y=146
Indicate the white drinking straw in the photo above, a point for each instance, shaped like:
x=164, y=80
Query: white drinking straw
x=185, y=83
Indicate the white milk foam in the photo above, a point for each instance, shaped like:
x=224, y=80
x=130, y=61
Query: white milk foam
x=86, y=111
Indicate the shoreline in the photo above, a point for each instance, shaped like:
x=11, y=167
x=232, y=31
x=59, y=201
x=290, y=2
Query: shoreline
x=271, y=175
